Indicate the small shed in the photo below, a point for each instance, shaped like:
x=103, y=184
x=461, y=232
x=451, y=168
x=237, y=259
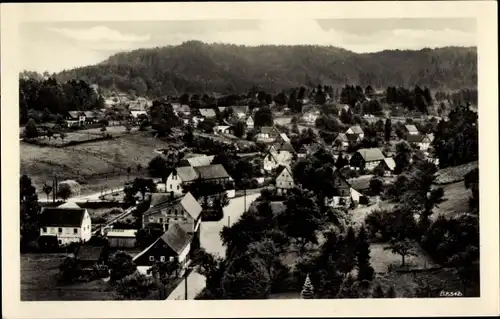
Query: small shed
x=87, y=255
x=121, y=238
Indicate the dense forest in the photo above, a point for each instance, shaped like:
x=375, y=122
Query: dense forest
x=195, y=67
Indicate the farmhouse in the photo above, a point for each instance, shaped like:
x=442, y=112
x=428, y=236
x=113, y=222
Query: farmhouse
x=284, y=181
x=174, y=244
x=67, y=225
x=121, y=238
x=221, y=108
x=388, y=165
x=166, y=210
x=273, y=159
x=267, y=133
x=137, y=114
x=282, y=143
x=75, y=117
x=421, y=141
x=355, y=130
x=184, y=175
x=367, y=158
x=90, y=117
x=184, y=109
x=411, y=130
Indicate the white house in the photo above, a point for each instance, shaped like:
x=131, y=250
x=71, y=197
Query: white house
x=284, y=181
x=178, y=177
x=273, y=159
x=249, y=122
x=67, y=224
x=367, y=158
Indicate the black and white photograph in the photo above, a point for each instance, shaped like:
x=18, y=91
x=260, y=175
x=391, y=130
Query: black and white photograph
x=251, y=158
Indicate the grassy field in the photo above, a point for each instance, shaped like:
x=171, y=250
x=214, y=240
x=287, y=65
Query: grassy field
x=380, y=258
x=39, y=281
x=456, y=200
x=94, y=165
x=455, y=173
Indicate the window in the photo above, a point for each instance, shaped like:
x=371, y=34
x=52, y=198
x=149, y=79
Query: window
x=151, y=219
x=44, y=229
x=178, y=187
x=60, y=230
x=59, y=241
x=289, y=183
x=162, y=258
x=75, y=230
x=151, y=258
x=175, y=212
x=171, y=258
x=170, y=186
x=161, y=220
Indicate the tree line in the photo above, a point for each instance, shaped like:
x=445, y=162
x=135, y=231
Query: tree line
x=199, y=67
x=49, y=97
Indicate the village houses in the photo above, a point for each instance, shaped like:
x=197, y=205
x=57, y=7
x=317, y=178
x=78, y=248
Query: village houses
x=268, y=133
x=310, y=114
x=198, y=160
x=282, y=143
x=341, y=142
x=121, y=238
x=207, y=113
x=367, y=158
x=240, y=111
x=222, y=129
x=66, y=224
x=342, y=195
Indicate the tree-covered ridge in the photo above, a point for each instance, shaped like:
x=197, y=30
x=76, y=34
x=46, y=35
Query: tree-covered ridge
x=224, y=68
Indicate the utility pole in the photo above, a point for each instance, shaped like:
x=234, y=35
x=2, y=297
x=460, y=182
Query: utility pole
x=228, y=221
x=244, y=200
x=186, y=285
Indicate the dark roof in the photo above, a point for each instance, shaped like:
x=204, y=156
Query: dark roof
x=352, y=137
x=211, y=171
x=89, y=253
x=176, y=238
x=89, y=114
x=64, y=217
x=160, y=198
x=74, y=114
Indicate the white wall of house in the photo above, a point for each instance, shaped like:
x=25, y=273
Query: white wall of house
x=67, y=235
x=249, y=123
x=285, y=180
x=231, y=193
x=174, y=184
x=269, y=163
x=184, y=253
x=338, y=201
x=424, y=146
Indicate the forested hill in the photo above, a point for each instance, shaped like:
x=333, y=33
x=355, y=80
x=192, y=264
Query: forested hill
x=195, y=67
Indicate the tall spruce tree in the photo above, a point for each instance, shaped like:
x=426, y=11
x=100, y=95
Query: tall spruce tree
x=307, y=290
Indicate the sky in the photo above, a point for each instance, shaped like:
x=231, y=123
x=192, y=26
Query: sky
x=55, y=46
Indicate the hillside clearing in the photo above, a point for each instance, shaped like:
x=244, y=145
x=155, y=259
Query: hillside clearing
x=95, y=164
x=456, y=200
x=455, y=174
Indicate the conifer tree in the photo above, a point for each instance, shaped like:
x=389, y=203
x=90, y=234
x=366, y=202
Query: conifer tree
x=307, y=290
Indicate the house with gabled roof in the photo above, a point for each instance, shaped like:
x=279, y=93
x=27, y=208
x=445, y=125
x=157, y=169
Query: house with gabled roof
x=356, y=130
x=282, y=143
x=312, y=148
x=367, y=158
x=174, y=244
x=222, y=129
x=184, y=109
x=66, y=224
x=249, y=122
x=268, y=133
x=341, y=107
x=342, y=191
x=182, y=176
x=420, y=140
x=274, y=159
x=75, y=118
x=284, y=180
x=166, y=210
x=411, y=129
x=388, y=165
